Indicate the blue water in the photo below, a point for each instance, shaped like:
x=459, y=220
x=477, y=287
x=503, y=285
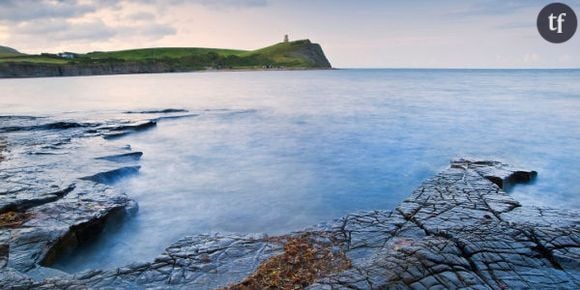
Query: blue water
x=279, y=151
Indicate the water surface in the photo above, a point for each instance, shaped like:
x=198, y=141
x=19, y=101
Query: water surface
x=279, y=151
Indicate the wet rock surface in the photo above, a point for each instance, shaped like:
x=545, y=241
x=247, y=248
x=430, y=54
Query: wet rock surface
x=458, y=229
x=46, y=208
x=51, y=201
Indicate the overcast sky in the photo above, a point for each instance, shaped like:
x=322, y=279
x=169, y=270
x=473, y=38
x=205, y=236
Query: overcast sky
x=357, y=33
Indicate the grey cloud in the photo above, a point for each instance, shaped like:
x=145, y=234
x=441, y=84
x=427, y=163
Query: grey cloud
x=141, y=16
x=62, y=30
x=209, y=3
x=496, y=7
x=147, y=31
x=27, y=10
x=57, y=20
x=232, y=3
x=94, y=31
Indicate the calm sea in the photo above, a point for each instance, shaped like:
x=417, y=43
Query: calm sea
x=278, y=151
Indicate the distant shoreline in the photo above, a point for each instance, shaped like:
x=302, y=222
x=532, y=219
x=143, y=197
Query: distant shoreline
x=298, y=69
x=295, y=55
x=180, y=72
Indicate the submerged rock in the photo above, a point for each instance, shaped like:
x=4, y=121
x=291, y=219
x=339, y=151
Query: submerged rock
x=459, y=229
x=120, y=130
x=122, y=158
x=163, y=111
x=61, y=125
x=112, y=176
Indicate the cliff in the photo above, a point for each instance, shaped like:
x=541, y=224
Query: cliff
x=301, y=54
x=6, y=49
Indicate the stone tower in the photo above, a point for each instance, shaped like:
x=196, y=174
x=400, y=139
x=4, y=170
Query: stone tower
x=286, y=38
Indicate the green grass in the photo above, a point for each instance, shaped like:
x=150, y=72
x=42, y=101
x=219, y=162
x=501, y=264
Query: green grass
x=284, y=55
x=36, y=59
x=160, y=53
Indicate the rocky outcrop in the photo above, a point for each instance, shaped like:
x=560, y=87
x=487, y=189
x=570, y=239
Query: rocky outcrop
x=27, y=70
x=46, y=208
x=314, y=53
x=458, y=229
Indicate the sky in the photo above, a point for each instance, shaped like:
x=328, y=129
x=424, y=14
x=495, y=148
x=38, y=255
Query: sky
x=353, y=34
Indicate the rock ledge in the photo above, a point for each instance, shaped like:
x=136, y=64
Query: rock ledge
x=458, y=229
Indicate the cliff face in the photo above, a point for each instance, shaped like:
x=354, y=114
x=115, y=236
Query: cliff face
x=24, y=70
x=301, y=54
x=314, y=53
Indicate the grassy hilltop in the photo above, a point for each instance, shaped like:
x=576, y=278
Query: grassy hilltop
x=301, y=54
x=6, y=51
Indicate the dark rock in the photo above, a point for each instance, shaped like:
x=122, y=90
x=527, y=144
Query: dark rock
x=61, y=125
x=137, y=126
x=174, y=117
x=21, y=203
x=60, y=226
x=47, y=210
x=23, y=70
x=112, y=176
x=4, y=250
x=457, y=230
x=123, y=158
x=120, y=130
x=164, y=111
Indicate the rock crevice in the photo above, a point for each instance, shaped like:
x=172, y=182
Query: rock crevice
x=459, y=229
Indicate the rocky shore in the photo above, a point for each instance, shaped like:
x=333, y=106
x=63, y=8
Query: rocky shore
x=458, y=229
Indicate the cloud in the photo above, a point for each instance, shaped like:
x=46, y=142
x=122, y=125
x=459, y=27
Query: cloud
x=141, y=16
x=495, y=8
x=55, y=31
x=58, y=30
x=58, y=22
x=211, y=3
x=97, y=20
x=231, y=3
x=30, y=10
x=146, y=31
x=518, y=25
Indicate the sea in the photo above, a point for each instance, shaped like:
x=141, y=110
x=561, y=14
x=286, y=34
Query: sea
x=277, y=151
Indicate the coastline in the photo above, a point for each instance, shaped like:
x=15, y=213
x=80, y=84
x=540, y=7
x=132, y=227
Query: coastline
x=56, y=73
x=295, y=55
x=458, y=229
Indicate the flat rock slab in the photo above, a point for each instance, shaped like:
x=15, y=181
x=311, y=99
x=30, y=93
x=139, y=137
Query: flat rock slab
x=459, y=229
